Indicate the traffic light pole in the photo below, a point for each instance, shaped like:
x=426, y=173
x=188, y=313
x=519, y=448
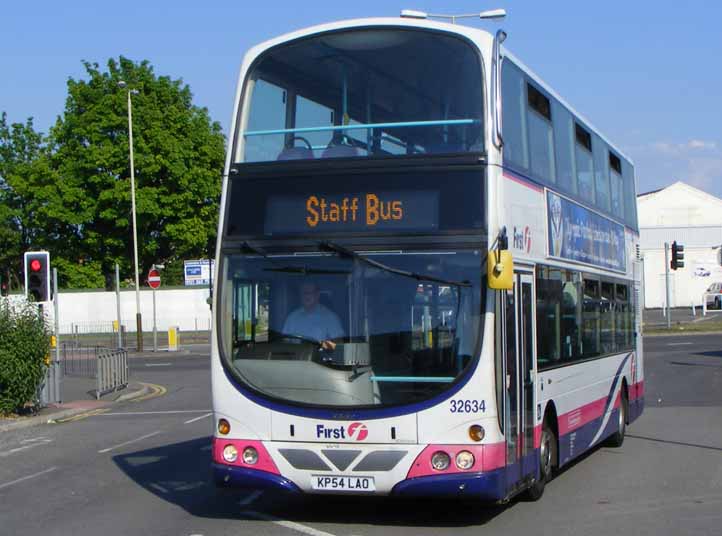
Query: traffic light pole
x=666, y=283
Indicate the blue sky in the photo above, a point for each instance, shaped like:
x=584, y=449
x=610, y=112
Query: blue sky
x=648, y=74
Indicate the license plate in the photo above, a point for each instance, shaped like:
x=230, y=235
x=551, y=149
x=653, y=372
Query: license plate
x=343, y=483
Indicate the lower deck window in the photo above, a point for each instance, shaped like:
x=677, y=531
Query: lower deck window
x=580, y=316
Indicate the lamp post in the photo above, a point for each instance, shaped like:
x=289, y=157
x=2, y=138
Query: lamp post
x=138, y=317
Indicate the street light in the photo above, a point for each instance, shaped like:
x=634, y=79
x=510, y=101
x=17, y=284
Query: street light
x=138, y=317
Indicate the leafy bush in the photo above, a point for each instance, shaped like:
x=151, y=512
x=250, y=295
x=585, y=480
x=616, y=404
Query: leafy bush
x=24, y=344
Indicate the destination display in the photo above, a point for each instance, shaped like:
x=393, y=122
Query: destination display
x=361, y=202
x=578, y=234
x=399, y=210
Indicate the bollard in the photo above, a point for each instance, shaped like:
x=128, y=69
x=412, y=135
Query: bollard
x=694, y=312
x=173, y=339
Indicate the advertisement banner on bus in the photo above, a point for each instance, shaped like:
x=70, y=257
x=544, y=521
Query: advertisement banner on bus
x=578, y=234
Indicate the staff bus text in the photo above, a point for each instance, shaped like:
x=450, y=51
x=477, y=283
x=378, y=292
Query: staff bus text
x=372, y=210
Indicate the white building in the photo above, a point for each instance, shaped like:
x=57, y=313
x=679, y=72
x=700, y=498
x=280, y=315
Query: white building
x=694, y=219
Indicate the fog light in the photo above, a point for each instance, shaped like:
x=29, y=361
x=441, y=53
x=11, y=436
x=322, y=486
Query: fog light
x=223, y=427
x=440, y=461
x=250, y=456
x=230, y=453
x=476, y=432
x=464, y=460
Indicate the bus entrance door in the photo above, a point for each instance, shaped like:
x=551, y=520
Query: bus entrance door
x=517, y=334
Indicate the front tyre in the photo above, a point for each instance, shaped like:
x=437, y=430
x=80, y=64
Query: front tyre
x=547, y=450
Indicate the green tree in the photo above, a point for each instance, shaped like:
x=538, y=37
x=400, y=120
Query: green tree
x=178, y=153
x=24, y=175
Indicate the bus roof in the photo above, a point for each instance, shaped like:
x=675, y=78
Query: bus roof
x=481, y=38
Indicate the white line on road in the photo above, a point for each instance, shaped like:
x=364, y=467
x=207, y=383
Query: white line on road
x=199, y=418
x=7, y=484
x=287, y=524
x=157, y=364
x=43, y=439
x=678, y=343
x=252, y=497
x=169, y=412
x=128, y=442
x=32, y=445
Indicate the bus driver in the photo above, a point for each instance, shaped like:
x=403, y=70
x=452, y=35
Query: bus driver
x=313, y=320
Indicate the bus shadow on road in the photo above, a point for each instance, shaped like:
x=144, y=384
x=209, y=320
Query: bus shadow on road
x=180, y=473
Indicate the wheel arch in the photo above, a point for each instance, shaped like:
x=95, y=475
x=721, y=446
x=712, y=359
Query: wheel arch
x=552, y=417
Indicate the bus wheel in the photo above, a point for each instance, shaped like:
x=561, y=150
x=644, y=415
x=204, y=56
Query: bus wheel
x=547, y=448
x=616, y=439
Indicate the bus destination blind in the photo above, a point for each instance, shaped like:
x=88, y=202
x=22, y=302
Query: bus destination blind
x=390, y=211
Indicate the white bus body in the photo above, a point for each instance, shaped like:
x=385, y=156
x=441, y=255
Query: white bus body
x=507, y=408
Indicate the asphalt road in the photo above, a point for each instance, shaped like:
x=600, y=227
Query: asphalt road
x=143, y=468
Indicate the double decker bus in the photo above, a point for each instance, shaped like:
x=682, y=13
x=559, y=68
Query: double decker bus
x=427, y=276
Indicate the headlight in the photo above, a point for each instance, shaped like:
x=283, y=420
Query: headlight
x=250, y=456
x=230, y=453
x=440, y=461
x=464, y=460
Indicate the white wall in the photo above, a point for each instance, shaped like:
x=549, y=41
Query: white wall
x=686, y=285
x=185, y=308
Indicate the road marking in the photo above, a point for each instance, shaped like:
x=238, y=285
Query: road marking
x=252, y=497
x=128, y=442
x=199, y=418
x=158, y=487
x=678, y=343
x=36, y=442
x=23, y=479
x=79, y=417
x=34, y=439
x=157, y=364
x=298, y=527
x=169, y=412
x=158, y=390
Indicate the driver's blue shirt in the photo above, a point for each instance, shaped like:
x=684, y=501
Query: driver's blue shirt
x=319, y=324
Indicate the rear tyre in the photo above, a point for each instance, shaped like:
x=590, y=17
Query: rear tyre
x=547, y=453
x=616, y=439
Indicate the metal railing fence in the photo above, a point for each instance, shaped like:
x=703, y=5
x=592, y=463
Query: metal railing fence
x=112, y=370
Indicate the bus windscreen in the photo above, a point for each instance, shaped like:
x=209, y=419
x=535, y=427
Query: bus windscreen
x=363, y=93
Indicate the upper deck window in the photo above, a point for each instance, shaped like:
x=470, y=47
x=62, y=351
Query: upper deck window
x=363, y=93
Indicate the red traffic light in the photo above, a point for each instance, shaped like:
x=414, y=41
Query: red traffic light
x=35, y=265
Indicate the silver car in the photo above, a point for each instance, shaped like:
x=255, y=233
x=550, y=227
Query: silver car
x=713, y=296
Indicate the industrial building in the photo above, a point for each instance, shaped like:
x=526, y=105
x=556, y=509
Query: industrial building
x=693, y=218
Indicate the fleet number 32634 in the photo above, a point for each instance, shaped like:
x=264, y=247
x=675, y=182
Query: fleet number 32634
x=467, y=406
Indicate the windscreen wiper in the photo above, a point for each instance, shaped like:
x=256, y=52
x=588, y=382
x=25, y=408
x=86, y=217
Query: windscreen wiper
x=332, y=246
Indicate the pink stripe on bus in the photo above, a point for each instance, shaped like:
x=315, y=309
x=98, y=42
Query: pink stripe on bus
x=523, y=182
x=486, y=458
x=264, y=463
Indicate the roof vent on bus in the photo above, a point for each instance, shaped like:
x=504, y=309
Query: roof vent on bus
x=493, y=14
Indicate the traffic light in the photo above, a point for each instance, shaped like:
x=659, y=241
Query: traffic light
x=677, y=256
x=37, y=275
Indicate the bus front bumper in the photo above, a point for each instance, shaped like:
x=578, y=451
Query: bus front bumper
x=487, y=486
x=229, y=476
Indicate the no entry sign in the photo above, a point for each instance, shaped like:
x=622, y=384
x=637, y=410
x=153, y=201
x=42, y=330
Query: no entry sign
x=153, y=278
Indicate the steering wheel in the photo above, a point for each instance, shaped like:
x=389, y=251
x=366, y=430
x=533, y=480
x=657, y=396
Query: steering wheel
x=304, y=140
x=300, y=338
